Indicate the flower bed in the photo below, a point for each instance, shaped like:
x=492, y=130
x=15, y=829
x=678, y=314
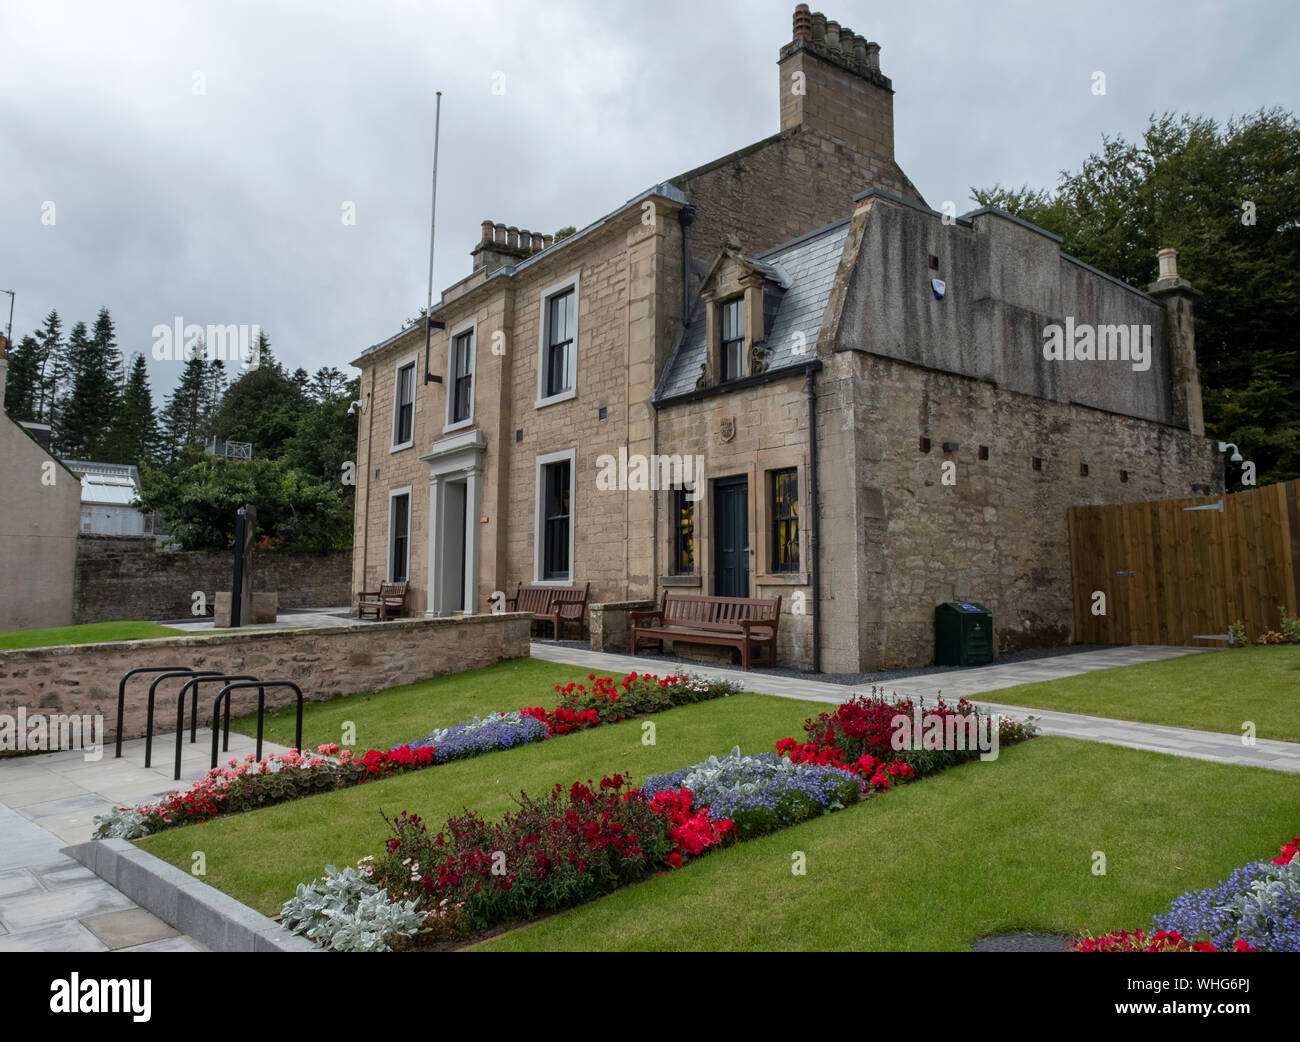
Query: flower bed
x=553, y=852
x=1257, y=908
x=891, y=741
x=249, y=784
x=504, y=731
x=566, y=849
x=761, y=793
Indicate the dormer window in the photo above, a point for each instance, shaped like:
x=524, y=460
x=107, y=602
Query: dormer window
x=732, y=339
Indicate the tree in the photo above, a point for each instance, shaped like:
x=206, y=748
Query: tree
x=93, y=408
x=1228, y=199
x=50, y=367
x=138, y=420
x=214, y=390
x=22, y=380
x=182, y=416
x=326, y=384
x=198, y=502
x=326, y=438
x=264, y=406
x=77, y=421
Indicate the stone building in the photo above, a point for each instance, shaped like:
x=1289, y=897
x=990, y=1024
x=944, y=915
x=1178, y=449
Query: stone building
x=39, y=511
x=891, y=408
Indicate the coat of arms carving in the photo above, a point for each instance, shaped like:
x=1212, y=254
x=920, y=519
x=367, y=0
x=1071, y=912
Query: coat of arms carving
x=727, y=428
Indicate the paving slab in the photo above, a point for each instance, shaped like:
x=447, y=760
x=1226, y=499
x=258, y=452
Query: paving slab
x=48, y=901
x=57, y=937
x=128, y=928
x=971, y=683
x=179, y=943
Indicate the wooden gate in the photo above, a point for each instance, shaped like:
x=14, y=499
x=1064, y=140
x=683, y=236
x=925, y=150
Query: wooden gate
x=1179, y=571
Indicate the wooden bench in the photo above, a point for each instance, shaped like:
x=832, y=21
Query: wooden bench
x=552, y=604
x=746, y=623
x=388, y=602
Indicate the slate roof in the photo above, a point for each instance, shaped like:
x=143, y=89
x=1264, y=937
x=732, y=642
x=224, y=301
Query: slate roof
x=809, y=264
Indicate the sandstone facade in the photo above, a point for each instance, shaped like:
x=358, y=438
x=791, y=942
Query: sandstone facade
x=913, y=340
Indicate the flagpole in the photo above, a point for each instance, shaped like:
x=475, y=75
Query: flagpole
x=429, y=377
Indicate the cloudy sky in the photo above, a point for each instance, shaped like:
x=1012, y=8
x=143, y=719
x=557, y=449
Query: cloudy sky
x=199, y=156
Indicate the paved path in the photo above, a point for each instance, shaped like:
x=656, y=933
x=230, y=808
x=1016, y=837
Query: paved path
x=48, y=902
x=970, y=683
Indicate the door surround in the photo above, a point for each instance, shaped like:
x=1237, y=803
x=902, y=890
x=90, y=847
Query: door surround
x=455, y=460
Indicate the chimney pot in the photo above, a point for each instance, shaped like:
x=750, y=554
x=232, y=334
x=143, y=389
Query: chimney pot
x=547, y=241
x=873, y=57
x=499, y=234
x=1168, y=258
x=537, y=242
x=802, y=23
x=512, y=237
x=819, y=29
x=487, y=231
x=833, y=35
x=860, y=52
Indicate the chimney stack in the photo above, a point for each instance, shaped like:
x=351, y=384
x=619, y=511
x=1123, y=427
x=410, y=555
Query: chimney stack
x=823, y=72
x=502, y=245
x=1179, y=298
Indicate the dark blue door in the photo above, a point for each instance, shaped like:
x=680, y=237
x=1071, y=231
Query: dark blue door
x=731, y=537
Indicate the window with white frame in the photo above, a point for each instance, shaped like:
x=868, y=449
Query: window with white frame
x=557, y=365
x=460, y=384
x=399, y=535
x=553, y=534
x=404, y=406
x=732, y=338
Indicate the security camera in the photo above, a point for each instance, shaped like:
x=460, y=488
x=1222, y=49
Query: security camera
x=352, y=409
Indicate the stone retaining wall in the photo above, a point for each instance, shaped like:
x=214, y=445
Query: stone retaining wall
x=324, y=662
x=127, y=577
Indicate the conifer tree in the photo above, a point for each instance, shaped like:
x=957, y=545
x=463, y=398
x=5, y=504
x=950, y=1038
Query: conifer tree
x=138, y=420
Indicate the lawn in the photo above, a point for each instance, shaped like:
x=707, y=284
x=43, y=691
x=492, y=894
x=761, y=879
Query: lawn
x=398, y=715
x=1211, y=692
x=983, y=848
x=261, y=856
x=91, y=633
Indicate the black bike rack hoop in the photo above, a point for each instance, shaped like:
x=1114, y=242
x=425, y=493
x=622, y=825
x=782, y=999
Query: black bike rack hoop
x=261, y=686
x=193, y=684
x=153, y=690
x=121, y=696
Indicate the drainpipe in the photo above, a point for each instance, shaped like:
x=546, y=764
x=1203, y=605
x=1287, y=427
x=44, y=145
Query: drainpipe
x=685, y=217
x=370, y=441
x=809, y=375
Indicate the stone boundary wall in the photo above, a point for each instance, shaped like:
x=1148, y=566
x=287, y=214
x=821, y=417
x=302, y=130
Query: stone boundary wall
x=327, y=661
x=128, y=577
x=609, y=626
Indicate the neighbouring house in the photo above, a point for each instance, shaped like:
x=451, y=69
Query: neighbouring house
x=38, y=528
x=867, y=407
x=110, y=496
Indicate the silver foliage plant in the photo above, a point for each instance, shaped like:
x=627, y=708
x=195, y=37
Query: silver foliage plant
x=122, y=823
x=1266, y=911
x=348, y=914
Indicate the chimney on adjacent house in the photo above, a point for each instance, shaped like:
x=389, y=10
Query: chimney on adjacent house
x=1178, y=296
x=831, y=82
x=503, y=245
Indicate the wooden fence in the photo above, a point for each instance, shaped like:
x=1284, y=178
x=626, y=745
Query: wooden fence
x=1181, y=571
